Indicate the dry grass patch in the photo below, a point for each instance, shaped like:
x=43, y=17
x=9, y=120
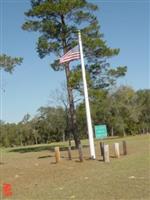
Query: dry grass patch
x=35, y=176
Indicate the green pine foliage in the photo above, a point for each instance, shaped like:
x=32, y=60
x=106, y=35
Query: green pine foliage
x=7, y=63
x=58, y=22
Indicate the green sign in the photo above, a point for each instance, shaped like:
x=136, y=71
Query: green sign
x=100, y=131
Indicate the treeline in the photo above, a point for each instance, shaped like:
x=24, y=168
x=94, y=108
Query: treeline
x=124, y=111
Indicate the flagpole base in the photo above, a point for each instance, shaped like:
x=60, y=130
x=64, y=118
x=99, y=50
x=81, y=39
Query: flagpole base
x=92, y=158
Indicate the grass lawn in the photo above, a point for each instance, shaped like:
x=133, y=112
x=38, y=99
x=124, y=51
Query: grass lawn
x=34, y=175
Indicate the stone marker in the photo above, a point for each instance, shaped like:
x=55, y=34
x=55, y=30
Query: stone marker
x=124, y=144
x=80, y=153
x=102, y=148
x=106, y=153
x=116, y=150
x=57, y=154
x=69, y=153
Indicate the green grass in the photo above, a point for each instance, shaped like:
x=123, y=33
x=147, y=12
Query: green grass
x=35, y=176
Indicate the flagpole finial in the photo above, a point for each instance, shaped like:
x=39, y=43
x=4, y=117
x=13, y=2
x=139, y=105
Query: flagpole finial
x=79, y=35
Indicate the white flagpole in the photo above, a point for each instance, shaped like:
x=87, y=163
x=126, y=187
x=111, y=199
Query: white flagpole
x=87, y=106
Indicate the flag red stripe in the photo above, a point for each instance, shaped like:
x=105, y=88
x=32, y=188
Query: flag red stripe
x=73, y=54
x=62, y=61
x=70, y=54
x=77, y=56
x=71, y=57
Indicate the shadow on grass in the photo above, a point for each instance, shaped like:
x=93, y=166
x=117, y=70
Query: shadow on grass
x=110, y=138
x=79, y=161
x=41, y=157
x=50, y=156
x=112, y=156
x=33, y=149
x=101, y=160
x=42, y=148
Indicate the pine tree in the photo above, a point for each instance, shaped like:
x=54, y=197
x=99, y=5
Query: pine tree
x=58, y=22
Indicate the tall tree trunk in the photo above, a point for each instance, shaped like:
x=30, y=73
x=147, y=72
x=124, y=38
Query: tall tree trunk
x=68, y=134
x=63, y=137
x=72, y=114
x=112, y=131
x=35, y=137
x=143, y=130
x=124, y=133
x=36, y=141
x=21, y=141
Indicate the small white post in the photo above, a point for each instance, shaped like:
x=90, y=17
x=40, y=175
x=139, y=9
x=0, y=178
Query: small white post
x=87, y=106
x=106, y=153
x=124, y=144
x=57, y=154
x=116, y=150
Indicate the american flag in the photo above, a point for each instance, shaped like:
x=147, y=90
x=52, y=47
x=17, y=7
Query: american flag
x=73, y=54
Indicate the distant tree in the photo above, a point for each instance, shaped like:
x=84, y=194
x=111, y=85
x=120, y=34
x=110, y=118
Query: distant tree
x=7, y=63
x=26, y=118
x=125, y=112
x=143, y=103
x=51, y=123
x=58, y=98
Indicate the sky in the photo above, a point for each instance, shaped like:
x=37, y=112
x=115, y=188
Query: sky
x=125, y=25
